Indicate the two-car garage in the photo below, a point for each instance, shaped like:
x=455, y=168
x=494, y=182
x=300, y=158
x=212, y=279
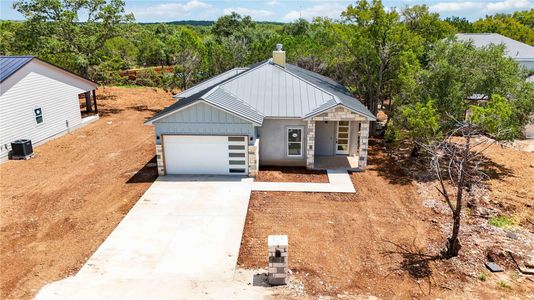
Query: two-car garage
x=205, y=154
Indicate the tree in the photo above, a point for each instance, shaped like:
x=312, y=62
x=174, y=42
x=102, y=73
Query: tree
x=73, y=42
x=509, y=26
x=462, y=25
x=458, y=72
x=457, y=163
x=228, y=25
x=378, y=47
x=420, y=122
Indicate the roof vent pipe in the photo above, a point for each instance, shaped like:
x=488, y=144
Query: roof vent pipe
x=279, y=56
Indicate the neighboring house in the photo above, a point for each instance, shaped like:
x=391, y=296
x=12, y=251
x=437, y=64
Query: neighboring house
x=270, y=113
x=522, y=53
x=39, y=101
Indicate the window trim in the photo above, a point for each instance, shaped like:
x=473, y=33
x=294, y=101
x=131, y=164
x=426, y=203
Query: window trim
x=286, y=137
x=35, y=116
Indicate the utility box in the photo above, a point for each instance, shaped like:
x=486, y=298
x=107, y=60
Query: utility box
x=278, y=255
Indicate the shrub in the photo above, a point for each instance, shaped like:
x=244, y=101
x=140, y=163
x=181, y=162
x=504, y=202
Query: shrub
x=502, y=221
x=482, y=276
x=503, y=284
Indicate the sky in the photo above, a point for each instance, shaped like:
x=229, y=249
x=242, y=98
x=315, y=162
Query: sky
x=288, y=10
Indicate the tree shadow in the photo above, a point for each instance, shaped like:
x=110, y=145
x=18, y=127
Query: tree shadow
x=291, y=170
x=148, y=173
x=414, y=261
x=398, y=167
x=386, y=165
x=104, y=112
x=142, y=108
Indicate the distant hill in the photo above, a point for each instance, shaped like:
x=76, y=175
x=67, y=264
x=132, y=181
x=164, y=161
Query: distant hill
x=206, y=23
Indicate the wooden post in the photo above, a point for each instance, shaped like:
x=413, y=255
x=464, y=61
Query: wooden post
x=88, y=107
x=94, y=100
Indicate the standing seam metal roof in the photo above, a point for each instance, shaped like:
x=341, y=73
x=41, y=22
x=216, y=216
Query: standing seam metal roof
x=268, y=90
x=11, y=64
x=514, y=49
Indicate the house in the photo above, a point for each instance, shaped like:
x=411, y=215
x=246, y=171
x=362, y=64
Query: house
x=271, y=113
x=39, y=101
x=522, y=53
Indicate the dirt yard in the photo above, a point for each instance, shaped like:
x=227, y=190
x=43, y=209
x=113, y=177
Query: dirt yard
x=383, y=241
x=295, y=174
x=58, y=207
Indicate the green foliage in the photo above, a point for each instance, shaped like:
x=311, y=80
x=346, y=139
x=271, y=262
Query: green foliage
x=495, y=118
x=54, y=28
x=518, y=27
x=148, y=77
x=421, y=122
x=228, y=25
x=462, y=25
x=503, y=284
x=502, y=221
x=482, y=276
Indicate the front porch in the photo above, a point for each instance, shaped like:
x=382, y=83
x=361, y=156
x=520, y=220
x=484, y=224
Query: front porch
x=337, y=139
x=338, y=162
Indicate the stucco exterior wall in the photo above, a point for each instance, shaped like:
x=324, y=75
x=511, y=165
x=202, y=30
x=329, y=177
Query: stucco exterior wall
x=273, y=142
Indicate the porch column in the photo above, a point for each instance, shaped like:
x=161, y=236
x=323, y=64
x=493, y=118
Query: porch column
x=364, y=142
x=310, y=148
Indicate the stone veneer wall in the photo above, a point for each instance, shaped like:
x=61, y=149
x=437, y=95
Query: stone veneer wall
x=338, y=114
x=364, y=143
x=159, y=159
x=254, y=158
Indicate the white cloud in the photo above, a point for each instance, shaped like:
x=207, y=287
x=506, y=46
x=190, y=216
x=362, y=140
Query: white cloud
x=330, y=10
x=486, y=7
x=172, y=9
x=256, y=14
x=273, y=3
x=509, y=4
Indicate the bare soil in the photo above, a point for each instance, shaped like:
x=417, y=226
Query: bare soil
x=58, y=207
x=290, y=174
x=382, y=241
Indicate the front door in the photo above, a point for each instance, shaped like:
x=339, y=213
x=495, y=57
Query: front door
x=342, y=141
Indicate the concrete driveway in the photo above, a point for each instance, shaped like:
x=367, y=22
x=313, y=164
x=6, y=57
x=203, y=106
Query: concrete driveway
x=183, y=229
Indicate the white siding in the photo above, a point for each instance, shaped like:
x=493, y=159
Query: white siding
x=203, y=119
x=38, y=85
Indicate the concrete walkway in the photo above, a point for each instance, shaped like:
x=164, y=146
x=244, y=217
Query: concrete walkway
x=181, y=237
x=338, y=182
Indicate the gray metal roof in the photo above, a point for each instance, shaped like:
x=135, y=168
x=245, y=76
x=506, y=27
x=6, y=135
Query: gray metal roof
x=209, y=82
x=514, y=49
x=11, y=64
x=268, y=90
x=275, y=92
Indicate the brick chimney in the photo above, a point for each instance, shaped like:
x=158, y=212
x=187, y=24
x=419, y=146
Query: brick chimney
x=279, y=56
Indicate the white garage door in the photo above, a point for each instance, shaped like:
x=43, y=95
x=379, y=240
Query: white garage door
x=199, y=154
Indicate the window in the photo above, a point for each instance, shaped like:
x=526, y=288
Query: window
x=294, y=141
x=38, y=115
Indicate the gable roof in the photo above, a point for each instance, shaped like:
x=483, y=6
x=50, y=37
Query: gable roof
x=9, y=65
x=514, y=49
x=268, y=90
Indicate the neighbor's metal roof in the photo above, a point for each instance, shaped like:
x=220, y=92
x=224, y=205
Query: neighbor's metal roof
x=11, y=64
x=514, y=49
x=268, y=90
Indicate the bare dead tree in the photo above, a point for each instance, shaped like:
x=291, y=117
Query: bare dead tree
x=456, y=161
